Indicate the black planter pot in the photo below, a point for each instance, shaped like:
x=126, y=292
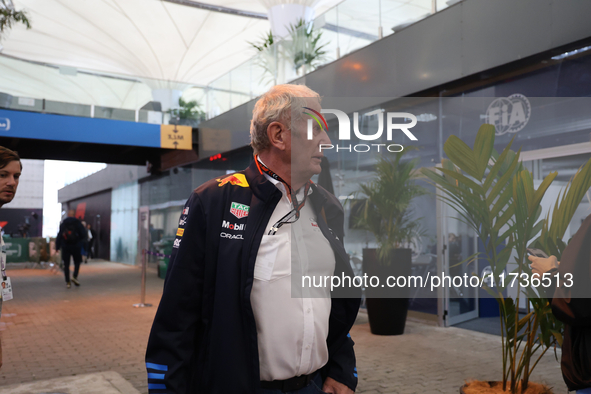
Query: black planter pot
x=387, y=307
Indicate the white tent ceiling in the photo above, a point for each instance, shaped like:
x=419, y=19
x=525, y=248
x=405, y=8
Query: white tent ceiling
x=140, y=38
x=157, y=44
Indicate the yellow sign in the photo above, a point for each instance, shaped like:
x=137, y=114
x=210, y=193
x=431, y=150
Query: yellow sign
x=176, y=137
x=180, y=232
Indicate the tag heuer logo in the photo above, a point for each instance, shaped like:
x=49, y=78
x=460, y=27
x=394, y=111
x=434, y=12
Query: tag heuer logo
x=239, y=210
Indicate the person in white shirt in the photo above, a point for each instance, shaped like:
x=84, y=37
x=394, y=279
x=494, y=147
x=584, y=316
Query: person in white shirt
x=228, y=320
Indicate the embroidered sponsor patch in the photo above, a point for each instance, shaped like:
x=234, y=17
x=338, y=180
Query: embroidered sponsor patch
x=233, y=226
x=231, y=236
x=183, y=221
x=177, y=243
x=235, y=179
x=180, y=232
x=239, y=210
x=186, y=211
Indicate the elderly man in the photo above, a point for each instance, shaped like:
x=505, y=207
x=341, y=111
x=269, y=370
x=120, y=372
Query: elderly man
x=227, y=322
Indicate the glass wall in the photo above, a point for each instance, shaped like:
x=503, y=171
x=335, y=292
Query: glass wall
x=124, y=223
x=345, y=28
x=544, y=107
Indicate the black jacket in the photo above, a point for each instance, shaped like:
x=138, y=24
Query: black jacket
x=79, y=228
x=204, y=337
x=572, y=306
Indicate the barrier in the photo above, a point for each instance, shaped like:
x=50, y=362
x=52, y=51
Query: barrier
x=142, y=303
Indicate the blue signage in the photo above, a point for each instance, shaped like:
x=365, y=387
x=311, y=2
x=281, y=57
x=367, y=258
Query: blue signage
x=20, y=124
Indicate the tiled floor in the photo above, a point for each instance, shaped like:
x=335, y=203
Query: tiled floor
x=49, y=331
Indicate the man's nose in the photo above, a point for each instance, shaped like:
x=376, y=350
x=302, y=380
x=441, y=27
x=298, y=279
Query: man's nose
x=11, y=181
x=324, y=138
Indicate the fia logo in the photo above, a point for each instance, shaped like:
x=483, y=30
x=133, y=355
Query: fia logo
x=509, y=114
x=4, y=124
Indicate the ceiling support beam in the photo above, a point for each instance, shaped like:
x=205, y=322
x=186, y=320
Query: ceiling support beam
x=218, y=8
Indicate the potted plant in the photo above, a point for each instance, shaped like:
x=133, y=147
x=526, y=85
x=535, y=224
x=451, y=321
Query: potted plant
x=496, y=196
x=386, y=213
x=302, y=50
x=189, y=113
x=267, y=57
x=304, y=47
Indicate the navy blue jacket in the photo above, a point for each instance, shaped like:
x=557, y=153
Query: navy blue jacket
x=204, y=337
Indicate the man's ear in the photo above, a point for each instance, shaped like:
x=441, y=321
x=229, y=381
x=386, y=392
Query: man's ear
x=276, y=132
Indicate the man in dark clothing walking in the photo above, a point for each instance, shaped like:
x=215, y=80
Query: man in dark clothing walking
x=70, y=238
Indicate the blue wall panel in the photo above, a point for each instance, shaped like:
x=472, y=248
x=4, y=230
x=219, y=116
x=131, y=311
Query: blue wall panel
x=77, y=129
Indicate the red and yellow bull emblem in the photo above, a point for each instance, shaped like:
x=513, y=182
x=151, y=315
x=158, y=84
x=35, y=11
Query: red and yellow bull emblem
x=235, y=179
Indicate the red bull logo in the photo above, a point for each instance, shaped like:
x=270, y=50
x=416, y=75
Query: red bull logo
x=235, y=179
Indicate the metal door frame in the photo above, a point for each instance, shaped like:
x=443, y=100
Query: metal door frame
x=443, y=293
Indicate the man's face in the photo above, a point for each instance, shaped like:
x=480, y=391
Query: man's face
x=305, y=154
x=9, y=177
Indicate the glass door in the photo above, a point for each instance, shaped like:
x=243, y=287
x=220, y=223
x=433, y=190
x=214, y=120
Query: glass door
x=458, y=301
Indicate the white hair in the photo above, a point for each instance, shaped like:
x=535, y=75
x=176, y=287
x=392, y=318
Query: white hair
x=276, y=106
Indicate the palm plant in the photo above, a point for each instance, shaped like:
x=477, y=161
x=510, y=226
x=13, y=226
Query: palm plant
x=302, y=50
x=267, y=57
x=305, y=49
x=496, y=197
x=266, y=42
x=188, y=110
x=9, y=16
x=387, y=211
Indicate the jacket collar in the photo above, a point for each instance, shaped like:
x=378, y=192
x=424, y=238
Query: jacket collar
x=264, y=189
x=259, y=184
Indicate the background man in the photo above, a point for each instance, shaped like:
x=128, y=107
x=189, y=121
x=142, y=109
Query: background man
x=227, y=322
x=70, y=238
x=570, y=299
x=91, y=238
x=10, y=172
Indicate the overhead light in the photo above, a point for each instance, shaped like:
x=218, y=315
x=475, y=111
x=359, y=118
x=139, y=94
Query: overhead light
x=571, y=53
x=426, y=118
x=65, y=70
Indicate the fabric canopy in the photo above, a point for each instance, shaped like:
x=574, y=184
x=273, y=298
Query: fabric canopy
x=140, y=38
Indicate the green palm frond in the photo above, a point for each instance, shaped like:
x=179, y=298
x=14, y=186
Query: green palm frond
x=9, y=16
x=497, y=197
x=387, y=211
x=305, y=48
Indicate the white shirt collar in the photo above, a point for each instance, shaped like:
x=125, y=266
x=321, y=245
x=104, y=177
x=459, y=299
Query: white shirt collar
x=280, y=184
